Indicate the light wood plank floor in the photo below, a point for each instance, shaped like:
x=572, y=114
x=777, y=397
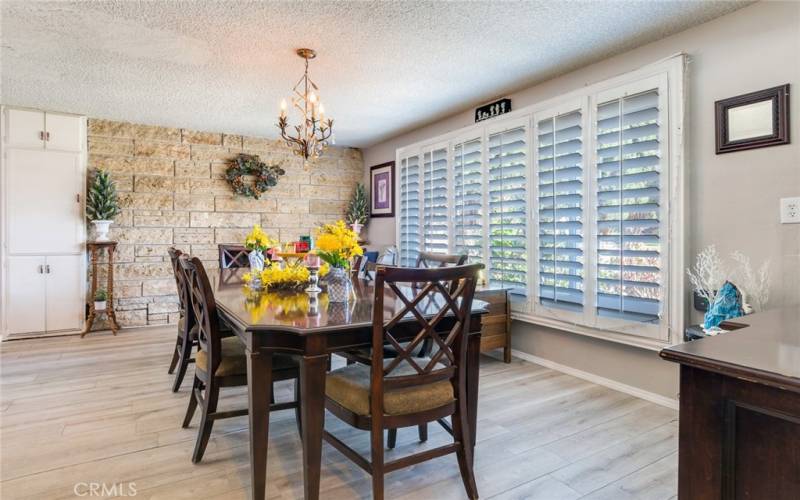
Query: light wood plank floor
x=100, y=410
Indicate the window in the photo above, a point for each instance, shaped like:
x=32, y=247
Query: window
x=507, y=181
x=435, y=202
x=468, y=200
x=409, y=222
x=560, y=209
x=580, y=187
x=628, y=208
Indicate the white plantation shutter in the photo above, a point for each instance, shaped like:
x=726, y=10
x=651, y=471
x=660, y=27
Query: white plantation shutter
x=468, y=200
x=435, y=221
x=629, y=214
x=409, y=223
x=560, y=209
x=507, y=191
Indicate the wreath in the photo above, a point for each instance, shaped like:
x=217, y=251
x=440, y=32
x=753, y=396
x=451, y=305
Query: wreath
x=265, y=175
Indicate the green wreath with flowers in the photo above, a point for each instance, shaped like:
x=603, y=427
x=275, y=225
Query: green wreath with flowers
x=266, y=176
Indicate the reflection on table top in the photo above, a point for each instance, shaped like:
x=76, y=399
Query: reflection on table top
x=300, y=312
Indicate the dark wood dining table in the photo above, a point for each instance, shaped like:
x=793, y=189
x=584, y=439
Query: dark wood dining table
x=314, y=328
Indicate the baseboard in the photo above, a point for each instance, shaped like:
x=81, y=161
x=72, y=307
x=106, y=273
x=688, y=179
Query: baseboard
x=606, y=382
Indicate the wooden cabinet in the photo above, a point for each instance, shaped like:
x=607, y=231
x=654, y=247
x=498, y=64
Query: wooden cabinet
x=33, y=129
x=496, y=331
x=42, y=185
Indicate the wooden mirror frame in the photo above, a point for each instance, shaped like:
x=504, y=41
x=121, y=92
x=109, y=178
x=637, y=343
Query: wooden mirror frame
x=780, y=119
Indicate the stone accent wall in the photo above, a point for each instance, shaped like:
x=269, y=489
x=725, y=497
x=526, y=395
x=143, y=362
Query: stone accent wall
x=173, y=192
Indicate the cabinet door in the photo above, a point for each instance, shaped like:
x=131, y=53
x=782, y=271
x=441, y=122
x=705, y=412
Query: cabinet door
x=65, y=300
x=25, y=298
x=44, y=214
x=24, y=128
x=64, y=132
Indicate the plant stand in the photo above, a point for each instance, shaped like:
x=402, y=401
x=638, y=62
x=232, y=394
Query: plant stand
x=96, y=249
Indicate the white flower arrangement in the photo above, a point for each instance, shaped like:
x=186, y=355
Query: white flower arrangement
x=710, y=272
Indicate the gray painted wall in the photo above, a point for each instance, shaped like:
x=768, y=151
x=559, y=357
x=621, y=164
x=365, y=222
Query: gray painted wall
x=733, y=199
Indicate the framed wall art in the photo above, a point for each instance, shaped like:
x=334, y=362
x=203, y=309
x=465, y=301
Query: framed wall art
x=754, y=120
x=382, y=188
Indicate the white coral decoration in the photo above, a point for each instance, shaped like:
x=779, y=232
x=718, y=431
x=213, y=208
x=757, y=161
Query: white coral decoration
x=708, y=274
x=754, y=285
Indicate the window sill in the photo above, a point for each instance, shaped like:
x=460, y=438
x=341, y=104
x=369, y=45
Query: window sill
x=619, y=338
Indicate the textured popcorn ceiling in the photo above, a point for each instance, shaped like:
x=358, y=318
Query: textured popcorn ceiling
x=383, y=67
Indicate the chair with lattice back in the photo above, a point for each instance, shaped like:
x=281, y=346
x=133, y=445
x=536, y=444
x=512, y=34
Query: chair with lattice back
x=408, y=390
x=182, y=354
x=221, y=361
x=233, y=256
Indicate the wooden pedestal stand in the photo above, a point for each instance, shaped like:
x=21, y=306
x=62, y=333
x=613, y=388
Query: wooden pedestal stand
x=96, y=249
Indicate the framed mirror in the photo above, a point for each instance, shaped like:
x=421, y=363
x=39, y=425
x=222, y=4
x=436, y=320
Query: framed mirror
x=754, y=120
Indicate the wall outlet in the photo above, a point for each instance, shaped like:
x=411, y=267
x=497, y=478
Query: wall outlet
x=790, y=210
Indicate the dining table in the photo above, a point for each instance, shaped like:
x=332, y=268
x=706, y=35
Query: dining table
x=313, y=328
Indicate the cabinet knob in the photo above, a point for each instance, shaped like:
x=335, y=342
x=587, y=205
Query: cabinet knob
x=47, y=136
x=47, y=268
x=41, y=135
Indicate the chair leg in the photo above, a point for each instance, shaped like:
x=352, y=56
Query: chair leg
x=183, y=364
x=204, y=433
x=196, y=385
x=391, y=441
x=464, y=453
x=298, y=414
x=175, y=357
x=376, y=456
x=423, y=433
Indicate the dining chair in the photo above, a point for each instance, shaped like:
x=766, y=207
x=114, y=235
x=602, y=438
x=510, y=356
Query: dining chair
x=182, y=354
x=221, y=361
x=233, y=256
x=407, y=390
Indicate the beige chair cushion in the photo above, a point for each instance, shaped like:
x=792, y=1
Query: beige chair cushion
x=234, y=360
x=349, y=387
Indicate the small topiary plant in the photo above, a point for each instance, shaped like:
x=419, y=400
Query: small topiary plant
x=102, y=202
x=100, y=295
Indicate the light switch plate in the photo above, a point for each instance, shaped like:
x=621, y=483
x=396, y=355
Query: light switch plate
x=790, y=210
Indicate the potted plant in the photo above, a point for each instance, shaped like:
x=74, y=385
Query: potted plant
x=100, y=298
x=336, y=244
x=358, y=209
x=102, y=204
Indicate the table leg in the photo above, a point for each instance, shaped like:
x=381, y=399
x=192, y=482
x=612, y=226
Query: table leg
x=259, y=387
x=312, y=395
x=473, y=370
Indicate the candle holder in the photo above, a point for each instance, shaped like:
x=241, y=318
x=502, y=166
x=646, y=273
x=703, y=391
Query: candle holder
x=312, y=263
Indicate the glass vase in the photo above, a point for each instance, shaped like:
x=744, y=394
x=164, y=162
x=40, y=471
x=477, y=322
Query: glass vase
x=256, y=258
x=339, y=285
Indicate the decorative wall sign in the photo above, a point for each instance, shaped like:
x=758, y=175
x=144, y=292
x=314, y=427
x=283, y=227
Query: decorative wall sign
x=381, y=181
x=265, y=175
x=492, y=109
x=754, y=120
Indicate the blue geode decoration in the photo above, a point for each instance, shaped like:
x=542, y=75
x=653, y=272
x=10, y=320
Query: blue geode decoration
x=727, y=305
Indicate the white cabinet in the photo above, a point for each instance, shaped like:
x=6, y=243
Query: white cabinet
x=45, y=293
x=39, y=130
x=24, y=128
x=25, y=307
x=64, y=303
x=42, y=186
x=43, y=202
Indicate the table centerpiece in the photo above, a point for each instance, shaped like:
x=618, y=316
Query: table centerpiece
x=337, y=244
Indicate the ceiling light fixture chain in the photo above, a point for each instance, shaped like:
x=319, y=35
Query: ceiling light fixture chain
x=314, y=132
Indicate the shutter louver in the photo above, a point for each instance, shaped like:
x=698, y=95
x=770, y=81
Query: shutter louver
x=468, y=194
x=507, y=187
x=628, y=208
x=435, y=221
x=560, y=166
x=410, y=228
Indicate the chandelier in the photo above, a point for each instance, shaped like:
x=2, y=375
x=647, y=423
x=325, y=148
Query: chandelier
x=310, y=137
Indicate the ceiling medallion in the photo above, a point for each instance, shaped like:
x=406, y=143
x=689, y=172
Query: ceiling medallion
x=312, y=135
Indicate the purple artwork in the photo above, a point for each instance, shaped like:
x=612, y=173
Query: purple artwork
x=382, y=187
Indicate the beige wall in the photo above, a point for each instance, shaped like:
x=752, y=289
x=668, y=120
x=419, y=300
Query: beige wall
x=172, y=192
x=733, y=199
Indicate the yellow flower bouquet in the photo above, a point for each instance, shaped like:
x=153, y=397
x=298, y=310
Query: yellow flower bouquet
x=275, y=277
x=258, y=240
x=336, y=244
